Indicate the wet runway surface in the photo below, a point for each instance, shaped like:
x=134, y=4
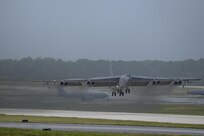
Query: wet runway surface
x=105, y=128
x=38, y=96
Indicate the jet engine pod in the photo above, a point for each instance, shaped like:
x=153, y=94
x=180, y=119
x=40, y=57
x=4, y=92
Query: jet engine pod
x=65, y=83
x=175, y=82
x=88, y=82
x=179, y=82
x=155, y=82
x=92, y=83
x=62, y=83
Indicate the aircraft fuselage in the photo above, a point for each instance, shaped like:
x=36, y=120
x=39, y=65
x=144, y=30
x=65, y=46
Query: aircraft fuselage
x=123, y=81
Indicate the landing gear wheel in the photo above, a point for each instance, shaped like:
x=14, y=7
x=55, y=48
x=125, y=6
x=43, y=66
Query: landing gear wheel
x=114, y=93
x=128, y=90
x=121, y=93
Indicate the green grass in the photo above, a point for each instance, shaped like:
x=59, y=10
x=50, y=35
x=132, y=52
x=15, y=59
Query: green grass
x=67, y=120
x=181, y=109
x=29, y=132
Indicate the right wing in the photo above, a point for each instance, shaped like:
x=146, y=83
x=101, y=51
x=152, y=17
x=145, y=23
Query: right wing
x=96, y=82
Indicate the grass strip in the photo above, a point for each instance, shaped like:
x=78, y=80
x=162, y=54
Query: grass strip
x=181, y=109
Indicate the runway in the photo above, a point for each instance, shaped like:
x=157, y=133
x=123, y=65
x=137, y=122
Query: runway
x=184, y=119
x=105, y=128
x=21, y=95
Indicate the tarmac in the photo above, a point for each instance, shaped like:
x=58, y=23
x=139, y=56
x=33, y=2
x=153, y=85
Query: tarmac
x=169, y=118
x=104, y=128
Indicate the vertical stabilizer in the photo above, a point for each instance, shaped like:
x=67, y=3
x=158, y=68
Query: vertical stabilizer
x=111, y=69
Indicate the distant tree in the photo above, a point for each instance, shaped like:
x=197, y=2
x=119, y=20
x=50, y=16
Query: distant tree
x=50, y=68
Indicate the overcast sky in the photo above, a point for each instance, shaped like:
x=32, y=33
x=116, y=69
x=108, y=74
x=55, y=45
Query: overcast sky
x=102, y=29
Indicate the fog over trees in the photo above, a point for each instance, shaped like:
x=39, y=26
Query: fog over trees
x=49, y=68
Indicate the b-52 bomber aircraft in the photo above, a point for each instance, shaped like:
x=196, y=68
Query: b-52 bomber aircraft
x=121, y=84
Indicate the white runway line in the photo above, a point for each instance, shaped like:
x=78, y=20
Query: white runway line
x=170, y=118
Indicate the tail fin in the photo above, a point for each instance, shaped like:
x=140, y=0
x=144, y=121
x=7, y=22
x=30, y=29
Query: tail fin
x=111, y=70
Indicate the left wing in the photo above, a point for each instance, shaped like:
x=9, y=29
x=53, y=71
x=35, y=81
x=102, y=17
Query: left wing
x=177, y=81
x=144, y=81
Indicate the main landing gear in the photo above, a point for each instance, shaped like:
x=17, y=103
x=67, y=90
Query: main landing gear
x=127, y=91
x=121, y=92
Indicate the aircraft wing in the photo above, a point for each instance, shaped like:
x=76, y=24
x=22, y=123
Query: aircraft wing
x=190, y=79
x=96, y=82
x=104, y=81
x=144, y=81
x=166, y=81
x=65, y=82
x=73, y=82
x=140, y=81
x=114, y=81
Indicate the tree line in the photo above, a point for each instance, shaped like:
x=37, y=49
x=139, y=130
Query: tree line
x=50, y=68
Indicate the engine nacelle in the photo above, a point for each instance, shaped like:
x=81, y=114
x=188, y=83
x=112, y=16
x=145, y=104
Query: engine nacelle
x=155, y=82
x=61, y=83
x=178, y=82
x=90, y=83
x=65, y=83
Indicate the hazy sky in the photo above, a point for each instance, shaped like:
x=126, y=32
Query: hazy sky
x=102, y=29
